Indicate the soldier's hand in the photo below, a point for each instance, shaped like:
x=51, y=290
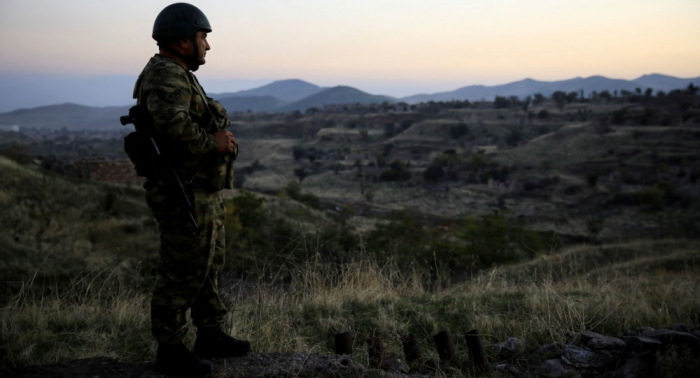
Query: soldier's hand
x=224, y=142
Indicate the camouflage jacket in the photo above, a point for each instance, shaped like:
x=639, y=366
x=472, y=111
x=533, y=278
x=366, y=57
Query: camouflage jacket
x=185, y=119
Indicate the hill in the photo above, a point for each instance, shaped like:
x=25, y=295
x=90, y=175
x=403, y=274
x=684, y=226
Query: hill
x=286, y=90
x=252, y=103
x=69, y=116
x=337, y=95
x=530, y=87
x=664, y=82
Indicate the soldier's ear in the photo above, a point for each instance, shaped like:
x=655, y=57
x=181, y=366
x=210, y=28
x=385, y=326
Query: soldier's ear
x=185, y=43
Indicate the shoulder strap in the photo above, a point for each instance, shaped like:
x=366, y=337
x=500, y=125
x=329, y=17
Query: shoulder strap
x=200, y=90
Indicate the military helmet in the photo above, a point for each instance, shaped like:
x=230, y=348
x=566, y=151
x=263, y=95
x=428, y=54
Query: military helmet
x=179, y=20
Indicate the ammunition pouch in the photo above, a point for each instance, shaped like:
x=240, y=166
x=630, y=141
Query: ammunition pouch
x=140, y=154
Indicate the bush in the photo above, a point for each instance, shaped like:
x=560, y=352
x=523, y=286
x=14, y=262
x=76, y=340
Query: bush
x=495, y=239
x=433, y=173
x=17, y=152
x=397, y=172
x=459, y=130
x=298, y=153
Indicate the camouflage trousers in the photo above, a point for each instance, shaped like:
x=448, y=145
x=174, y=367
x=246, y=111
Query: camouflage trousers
x=189, y=264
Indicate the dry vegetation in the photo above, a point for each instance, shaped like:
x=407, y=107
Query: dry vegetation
x=564, y=230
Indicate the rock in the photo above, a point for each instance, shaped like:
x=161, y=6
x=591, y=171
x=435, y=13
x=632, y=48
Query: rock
x=680, y=328
x=640, y=344
x=596, y=341
x=583, y=358
x=396, y=365
x=509, y=369
x=547, y=352
x=510, y=348
x=639, y=366
x=675, y=338
x=554, y=368
x=644, y=330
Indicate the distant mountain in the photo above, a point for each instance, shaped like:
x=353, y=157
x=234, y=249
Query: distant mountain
x=336, y=95
x=286, y=90
x=29, y=91
x=252, y=103
x=274, y=97
x=69, y=116
x=527, y=87
x=664, y=82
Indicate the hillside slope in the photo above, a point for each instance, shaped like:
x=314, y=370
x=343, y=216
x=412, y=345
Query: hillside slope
x=336, y=96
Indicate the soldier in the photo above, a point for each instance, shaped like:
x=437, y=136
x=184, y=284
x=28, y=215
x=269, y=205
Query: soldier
x=190, y=130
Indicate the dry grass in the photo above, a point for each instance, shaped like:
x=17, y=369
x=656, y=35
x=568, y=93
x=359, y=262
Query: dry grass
x=103, y=313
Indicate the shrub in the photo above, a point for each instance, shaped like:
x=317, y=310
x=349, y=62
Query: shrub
x=459, y=130
x=397, y=172
x=298, y=152
x=433, y=173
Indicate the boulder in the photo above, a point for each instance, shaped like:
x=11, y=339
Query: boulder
x=680, y=328
x=596, y=341
x=548, y=352
x=554, y=368
x=640, y=344
x=644, y=330
x=509, y=369
x=510, y=348
x=639, y=366
x=583, y=358
x=677, y=338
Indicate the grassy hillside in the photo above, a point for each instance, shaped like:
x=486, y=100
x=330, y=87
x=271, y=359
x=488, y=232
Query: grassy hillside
x=78, y=270
x=538, y=221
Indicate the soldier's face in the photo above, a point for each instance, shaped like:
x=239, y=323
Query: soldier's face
x=203, y=46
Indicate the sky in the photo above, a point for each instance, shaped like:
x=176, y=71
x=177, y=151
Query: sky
x=393, y=47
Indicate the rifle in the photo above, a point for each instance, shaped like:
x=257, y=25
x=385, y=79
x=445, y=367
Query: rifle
x=140, y=117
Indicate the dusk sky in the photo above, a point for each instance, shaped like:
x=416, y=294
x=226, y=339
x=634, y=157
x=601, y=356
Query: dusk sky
x=382, y=46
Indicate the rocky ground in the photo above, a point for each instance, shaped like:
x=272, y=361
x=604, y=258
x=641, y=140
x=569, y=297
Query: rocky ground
x=634, y=355
x=253, y=365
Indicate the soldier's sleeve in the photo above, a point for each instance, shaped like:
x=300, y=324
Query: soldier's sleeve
x=168, y=95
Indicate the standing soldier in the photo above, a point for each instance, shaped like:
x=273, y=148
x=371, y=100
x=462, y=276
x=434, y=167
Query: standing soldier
x=190, y=129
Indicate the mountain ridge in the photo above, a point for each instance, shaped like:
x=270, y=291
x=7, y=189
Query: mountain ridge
x=271, y=98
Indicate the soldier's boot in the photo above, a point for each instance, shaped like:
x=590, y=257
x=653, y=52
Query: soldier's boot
x=177, y=360
x=214, y=343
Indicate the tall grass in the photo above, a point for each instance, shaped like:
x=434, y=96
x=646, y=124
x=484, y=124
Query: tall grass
x=105, y=313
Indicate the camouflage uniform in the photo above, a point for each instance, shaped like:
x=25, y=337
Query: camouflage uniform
x=185, y=120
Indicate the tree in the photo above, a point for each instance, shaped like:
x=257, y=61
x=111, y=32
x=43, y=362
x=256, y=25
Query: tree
x=501, y=102
x=559, y=98
x=514, y=137
x=298, y=152
x=397, y=172
x=433, y=173
x=301, y=174
x=539, y=98
x=459, y=130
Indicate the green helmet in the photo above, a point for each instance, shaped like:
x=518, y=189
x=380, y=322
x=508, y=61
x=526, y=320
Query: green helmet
x=179, y=20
